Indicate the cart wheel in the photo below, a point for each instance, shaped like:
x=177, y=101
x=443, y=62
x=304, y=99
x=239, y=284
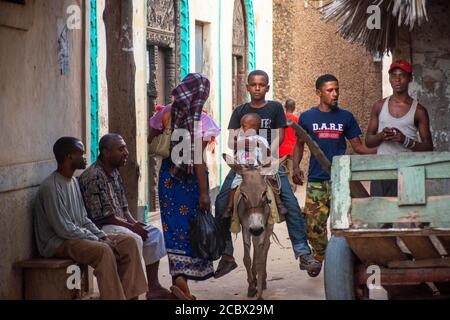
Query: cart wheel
x=339, y=270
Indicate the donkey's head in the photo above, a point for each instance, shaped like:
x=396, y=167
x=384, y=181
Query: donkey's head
x=254, y=195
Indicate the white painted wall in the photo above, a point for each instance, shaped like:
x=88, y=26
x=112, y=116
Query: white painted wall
x=140, y=59
x=218, y=62
x=386, y=85
x=214, y=64
x=208, y=16
x=38, y=105
x=101, y=75
x=263, y=38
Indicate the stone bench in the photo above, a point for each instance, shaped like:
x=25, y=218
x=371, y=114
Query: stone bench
x=46, y=279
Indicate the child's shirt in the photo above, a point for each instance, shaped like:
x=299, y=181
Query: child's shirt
x=257, y=156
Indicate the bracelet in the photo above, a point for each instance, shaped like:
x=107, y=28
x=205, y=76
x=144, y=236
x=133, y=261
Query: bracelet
x=406, y=142
x=413, y=145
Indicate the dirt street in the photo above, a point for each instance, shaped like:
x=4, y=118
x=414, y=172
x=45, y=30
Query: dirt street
x=285, y=280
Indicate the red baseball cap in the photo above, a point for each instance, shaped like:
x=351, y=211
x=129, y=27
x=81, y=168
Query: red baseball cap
x=402, y=64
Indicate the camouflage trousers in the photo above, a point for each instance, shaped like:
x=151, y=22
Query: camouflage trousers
x=316, y=211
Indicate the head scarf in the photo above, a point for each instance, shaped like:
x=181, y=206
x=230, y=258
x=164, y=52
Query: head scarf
x=189, y=98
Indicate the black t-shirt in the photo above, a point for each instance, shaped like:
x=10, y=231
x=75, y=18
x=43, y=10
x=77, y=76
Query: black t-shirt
x=272, y=117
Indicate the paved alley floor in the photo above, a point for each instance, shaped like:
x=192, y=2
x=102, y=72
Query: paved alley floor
x=285, y=280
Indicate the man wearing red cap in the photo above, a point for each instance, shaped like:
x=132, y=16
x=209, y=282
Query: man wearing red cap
x=395, y=122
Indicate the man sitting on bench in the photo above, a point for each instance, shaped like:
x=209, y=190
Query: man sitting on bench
x=63, y=229
x=106, y=204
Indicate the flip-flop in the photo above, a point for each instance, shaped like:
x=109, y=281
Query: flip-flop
x=224, y=267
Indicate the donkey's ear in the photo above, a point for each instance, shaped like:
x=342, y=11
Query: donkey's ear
x=232, y=163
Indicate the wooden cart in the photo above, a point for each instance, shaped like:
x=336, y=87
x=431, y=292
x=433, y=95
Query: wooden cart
x=406, y=238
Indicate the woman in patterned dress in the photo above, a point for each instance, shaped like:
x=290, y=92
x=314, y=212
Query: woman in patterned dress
x=183, y=187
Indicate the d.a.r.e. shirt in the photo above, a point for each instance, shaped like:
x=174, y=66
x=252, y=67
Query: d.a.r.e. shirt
x=329, y=130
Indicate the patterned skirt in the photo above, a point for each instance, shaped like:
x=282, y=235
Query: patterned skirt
x=179, y=205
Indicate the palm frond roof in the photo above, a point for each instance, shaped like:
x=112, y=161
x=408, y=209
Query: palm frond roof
x=359, y=24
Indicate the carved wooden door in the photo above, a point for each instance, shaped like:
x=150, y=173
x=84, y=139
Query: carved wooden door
x=162, y=43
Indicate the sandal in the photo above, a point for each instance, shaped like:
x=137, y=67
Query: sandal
x=224, y=267
x=179, y=294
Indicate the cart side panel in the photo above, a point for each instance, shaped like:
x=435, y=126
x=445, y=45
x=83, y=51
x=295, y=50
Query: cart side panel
x=445, y=241
x=421, y=247
x=376, y=250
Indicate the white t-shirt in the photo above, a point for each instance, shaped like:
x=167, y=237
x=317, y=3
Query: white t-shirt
x=258, y=155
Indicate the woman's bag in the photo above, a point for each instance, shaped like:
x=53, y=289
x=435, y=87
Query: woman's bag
x=160, y=145
x=207, y=236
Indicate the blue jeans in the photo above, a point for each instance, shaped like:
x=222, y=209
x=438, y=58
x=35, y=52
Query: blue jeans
x=294, y=219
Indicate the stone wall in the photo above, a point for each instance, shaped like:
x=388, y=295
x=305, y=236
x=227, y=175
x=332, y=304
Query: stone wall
x=42, y=99
x=428, y=48
x=305, y=47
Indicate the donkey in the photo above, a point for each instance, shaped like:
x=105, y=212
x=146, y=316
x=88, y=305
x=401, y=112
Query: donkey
x=253, y=212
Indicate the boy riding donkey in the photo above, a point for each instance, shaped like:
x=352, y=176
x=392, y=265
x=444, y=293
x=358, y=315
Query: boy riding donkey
x=273, y=124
